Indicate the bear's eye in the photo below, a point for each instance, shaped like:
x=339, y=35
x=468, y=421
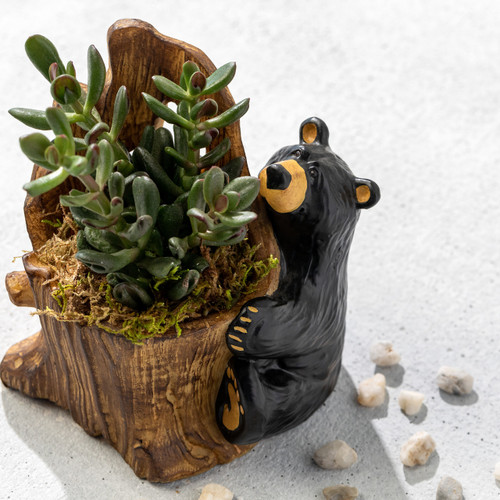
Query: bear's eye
x=300, y=153
x=313, y=170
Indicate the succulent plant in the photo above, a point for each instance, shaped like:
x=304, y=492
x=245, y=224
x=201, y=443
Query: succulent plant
x=142, y=215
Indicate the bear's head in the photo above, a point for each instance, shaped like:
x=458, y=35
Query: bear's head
x=307, y=187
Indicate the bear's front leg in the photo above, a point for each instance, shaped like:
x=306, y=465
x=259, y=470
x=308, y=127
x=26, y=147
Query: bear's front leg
x=245, y=334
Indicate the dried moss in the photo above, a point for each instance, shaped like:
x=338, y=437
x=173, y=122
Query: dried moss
x=86, y=298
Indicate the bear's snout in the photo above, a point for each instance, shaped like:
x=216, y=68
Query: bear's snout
x=277, y=177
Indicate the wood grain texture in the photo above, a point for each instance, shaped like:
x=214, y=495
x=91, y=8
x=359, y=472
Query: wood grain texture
x=19, y=290
x=154, y=403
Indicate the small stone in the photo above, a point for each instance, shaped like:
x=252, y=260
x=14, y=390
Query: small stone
x=497, y=471
x=411, y=401
x=454, y=380
x=383, y=354
x=340, y=492
x=371, y=392
x=335, y=455
x=215, y=491
x=449, y=489
x=418, y=449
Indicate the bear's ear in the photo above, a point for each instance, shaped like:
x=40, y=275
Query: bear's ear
x=314, y=131
x=367, y=193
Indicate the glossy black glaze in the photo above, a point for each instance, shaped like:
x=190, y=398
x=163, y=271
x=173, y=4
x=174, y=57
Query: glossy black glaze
x=288, y=347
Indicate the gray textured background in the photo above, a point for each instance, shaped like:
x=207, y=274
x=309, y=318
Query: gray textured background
x=411, y=92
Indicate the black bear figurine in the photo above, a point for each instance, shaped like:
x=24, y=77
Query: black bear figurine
x=287, y=348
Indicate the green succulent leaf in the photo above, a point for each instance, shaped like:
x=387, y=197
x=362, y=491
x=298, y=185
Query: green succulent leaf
x=169, y=88
x=220, y=236
x=236, y=219
x=102, y=240
x=230, y=116
x=204, y=109
x=92, y=157
x=138, y=229
x=143, y=160
x=116, y=185
x=104, y=263
x=76, y=165
x=248, y=189
x=159, y=267
x=60, y=124
x=213, y=185
x=162, y=139
x=154, y=246
x=181, y=160
x=181, y=138
x=34, y=146
x=133, y=296
x=165, y=113
x=105, y=164
x=93, y=134
x=233, y=240
x=47, y=182
x=97, y=76
x=196, y=83
x=221, y=203
x=70, y=69
x=170, y=219
x=146, y=197
x=80, y=144
x=234, y=167
x=85, y=217
x=34, y=118
x=178, y=246
x=193, y=261
x=184, y=286
x=116, y=207
x=147, y=138
x=188, y=68
x=196, y=198
x=63, y=144
x=120, y=111
x=77, y=198
x=220, y=78
x=65, y=90
x=81, y=241
x=42, y=54
x=214, y=155
x=124, y=167
x=203, y=138
x=52, y=156
x=233, y=199
x=201, y=216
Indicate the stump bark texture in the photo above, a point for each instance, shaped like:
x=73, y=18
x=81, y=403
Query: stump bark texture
x=154, y=402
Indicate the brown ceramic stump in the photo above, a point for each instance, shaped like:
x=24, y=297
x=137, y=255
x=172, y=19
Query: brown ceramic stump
x=154, y=402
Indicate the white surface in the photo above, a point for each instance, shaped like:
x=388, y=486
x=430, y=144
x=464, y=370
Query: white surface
x=411, y=92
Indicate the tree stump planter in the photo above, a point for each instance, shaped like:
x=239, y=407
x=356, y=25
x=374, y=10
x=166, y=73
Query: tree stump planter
x=153, y=402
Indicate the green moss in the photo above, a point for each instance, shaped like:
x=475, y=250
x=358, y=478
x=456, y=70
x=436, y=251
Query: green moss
x=86, y=297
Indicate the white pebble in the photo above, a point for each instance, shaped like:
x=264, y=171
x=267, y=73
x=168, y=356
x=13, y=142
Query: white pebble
x=335, y=455
x=418, y=449
x=383, y=354
x=215, y=491
x=454, y=380
x=449, y=489
x=497, y=471
x=340, y=492
x=371, y=392
x=411, y=402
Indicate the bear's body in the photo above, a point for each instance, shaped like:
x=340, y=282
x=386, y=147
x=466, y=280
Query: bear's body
x=288, y=347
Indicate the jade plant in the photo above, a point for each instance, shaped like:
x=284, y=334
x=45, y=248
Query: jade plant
x=143, y=214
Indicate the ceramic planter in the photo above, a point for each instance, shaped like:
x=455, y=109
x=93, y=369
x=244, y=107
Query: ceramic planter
x=154, y=403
